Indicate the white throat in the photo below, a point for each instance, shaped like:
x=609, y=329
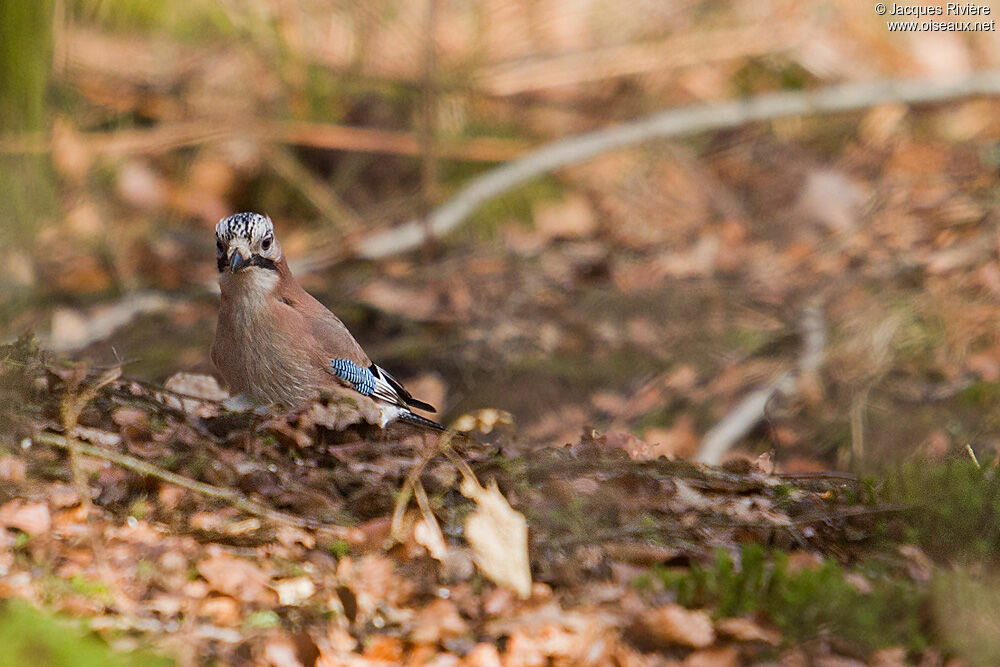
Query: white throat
x=253, y=284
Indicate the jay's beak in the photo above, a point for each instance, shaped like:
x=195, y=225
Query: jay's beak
x=237, y=261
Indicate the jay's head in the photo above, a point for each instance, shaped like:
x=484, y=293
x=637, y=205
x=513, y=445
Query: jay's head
x=245, y=245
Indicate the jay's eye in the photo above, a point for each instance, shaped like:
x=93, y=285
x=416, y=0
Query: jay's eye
x=265, y=245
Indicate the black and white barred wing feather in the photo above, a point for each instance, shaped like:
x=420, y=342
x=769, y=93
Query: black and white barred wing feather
x=375, y=382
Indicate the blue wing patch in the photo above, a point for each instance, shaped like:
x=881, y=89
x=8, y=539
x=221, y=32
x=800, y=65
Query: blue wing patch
x=361, y=379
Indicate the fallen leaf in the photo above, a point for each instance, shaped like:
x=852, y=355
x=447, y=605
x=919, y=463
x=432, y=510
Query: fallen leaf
x=290, y=536
x=483, y=655
x=746, y=630
x=431, y=539
x=436, y=622
x=280, y=652
x=31, y=518
x=196, y=386
x=293, y=592
x=832, y=199
x=672, y=624
x=221, y=610
x=383, y=649
x=498, y=536
x=573, y=217
x=237, y=577
x=680, y=440
x=12, y=468
x=894, y=656
x=719, y=656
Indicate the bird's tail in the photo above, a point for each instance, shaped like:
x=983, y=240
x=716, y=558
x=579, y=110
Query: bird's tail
x=417, y=420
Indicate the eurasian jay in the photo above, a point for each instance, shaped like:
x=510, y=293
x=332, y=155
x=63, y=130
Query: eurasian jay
x=276, y=343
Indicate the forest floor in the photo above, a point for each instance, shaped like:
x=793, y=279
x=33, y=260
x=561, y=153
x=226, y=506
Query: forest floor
x=278, y=539
x=585, y=332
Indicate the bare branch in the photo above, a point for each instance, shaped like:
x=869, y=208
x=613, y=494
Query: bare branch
x=170, y=136
x=671, y=123
x=741, y=419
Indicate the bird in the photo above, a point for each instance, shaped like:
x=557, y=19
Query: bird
x=275, y=343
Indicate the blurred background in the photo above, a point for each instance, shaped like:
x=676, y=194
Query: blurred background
x=646, y=291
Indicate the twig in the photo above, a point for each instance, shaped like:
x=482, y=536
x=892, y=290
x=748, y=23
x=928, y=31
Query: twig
x=233, y=498
x=972, y=455
x=413, y=487
x=170, y=136
x=323, y=199
x=672, y=123
x=70, y=407
x=396, y=530
x=735, y=425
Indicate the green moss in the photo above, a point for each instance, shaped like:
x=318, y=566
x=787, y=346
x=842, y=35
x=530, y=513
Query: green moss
x=96, y=590
x=30, y=637
x=981, y=394
x=955, y=507
x=55, y=587
x=339, y=549
x=805, y=603
x=262, y=619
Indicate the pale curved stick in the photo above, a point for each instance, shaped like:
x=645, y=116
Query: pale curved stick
x=671, y=123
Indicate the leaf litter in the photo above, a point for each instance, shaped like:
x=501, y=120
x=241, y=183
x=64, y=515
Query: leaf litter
x=558, y=536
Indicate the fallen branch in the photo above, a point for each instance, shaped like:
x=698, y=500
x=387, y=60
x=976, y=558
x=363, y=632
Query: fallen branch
x=323, y=198
x=674, y=122
x=237, y=500
x=741, y=420
x=170, y=136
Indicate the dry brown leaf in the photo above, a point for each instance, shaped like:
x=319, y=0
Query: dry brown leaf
x=498, y=536
x=12, y=468
x=719, y=656
x=680, y=440
x=31, y=518
x=373, y=581
x=280, y=652
x=290, y=536
x=233, y=576
x=573, y=217
x=382, y=649
x=436, y=622
x=343, y=410
x=293, y=592
x=220, y=610
x=431, y=539
x=672, y=624
x=483, y=655
x=569, y=638
x=746, y=630
x=197, y=386
x=889, y=657
x=832, y=199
